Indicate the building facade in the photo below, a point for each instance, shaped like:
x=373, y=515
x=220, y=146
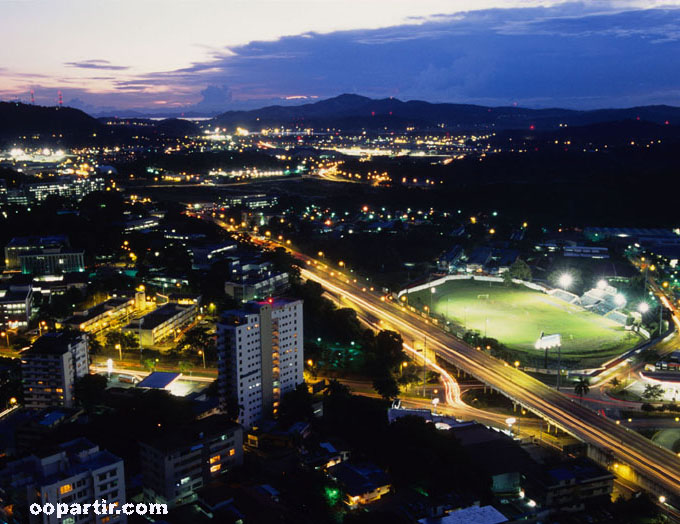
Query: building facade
x=24, y=245
x=162, y=323
x=102, y=316
x=52, y=262
x=78, y=472
x=50, y=368
x=175, y=466
x=261, y=357
x=256, y=288
x=15, y=306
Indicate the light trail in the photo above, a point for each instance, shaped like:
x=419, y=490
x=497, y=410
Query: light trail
x=658, y=464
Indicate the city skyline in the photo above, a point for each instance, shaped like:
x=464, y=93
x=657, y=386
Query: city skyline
x=496, y=52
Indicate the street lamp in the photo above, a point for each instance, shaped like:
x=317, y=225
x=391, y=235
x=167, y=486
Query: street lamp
x=120, y=351
x=516, y=364
x=6, y=335
x=662, y=499
x=202, y=353
x=433, y=290
x=403, y=365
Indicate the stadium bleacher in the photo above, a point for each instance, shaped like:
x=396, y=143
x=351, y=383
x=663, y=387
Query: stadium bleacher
x=565, y=295
x=618, y=317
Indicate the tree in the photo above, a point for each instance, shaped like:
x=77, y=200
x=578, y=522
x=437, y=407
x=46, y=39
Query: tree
x=653, y=392
x=582, y=387
x=615, y=382
x=125, y=339
x=386, y=386
x=520, y=270
x=507, y=278
x=94, y=346
x=296, y=405
x=150, y=364
x=89, y=390
x=198, y=339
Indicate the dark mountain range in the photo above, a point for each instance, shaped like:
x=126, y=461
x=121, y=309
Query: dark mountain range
x=349, y=113
x=174, y=127
x=353, y=112
x=22, y=119
x=69, y=125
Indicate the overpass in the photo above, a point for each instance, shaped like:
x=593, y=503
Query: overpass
x=658, y=469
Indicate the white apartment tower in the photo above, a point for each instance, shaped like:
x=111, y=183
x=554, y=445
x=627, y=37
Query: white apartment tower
x=50, y=367
x=261, y=357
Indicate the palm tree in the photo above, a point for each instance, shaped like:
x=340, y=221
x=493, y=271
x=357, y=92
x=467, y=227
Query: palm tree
x=582, y=387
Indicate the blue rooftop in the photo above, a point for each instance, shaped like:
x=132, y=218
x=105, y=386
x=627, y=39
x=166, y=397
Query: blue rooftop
x=158, y=380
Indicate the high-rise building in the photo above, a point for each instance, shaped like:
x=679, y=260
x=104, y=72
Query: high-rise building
x=50, y=367
x=77, y=472
x=261, y=357
x=176, y=464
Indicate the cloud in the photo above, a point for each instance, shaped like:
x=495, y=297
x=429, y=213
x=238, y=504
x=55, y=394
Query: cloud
x=96, y=64
x=570, y=55
x=578, y=55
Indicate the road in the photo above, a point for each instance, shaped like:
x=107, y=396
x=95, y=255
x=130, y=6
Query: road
x=659, y=466
x=655, y=463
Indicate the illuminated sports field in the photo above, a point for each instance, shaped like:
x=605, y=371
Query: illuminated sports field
x=517, y=315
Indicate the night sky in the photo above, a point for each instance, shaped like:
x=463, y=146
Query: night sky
x=211, y=55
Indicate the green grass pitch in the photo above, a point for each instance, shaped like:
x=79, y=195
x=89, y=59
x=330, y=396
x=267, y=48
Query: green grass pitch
x=517, y=315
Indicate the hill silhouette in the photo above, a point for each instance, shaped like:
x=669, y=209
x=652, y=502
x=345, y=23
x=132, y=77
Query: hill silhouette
x=352, y=112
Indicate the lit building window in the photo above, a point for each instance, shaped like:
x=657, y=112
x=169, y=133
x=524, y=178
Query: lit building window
x=66, y=488
x=232, y=452
x=215, y=468
x=214, y=459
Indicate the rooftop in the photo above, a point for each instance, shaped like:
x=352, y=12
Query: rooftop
x=95, y=311
x=471, y=515
x=580, y=470
x=359, y=479
x=31, y=241
x=157, y=317
x=192, y=435
x=54, y=343
x=158, y=380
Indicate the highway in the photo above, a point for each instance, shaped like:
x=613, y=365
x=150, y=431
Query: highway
x=658, y=465
x=653, y=462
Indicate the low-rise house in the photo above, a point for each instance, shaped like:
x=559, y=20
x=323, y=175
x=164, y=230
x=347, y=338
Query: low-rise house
x=362, y=483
